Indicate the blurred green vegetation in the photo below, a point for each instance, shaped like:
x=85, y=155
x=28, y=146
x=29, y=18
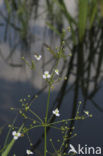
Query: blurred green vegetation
x=21, y=11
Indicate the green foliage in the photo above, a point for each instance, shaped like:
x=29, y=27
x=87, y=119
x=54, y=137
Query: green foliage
x=7, y=4
x=101, y=6
x=88, y=11
x=92, y=12
x=82, y=17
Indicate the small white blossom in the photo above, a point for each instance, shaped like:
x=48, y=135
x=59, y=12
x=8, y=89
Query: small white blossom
x=57, y=71
x=16, y=135
x=56, y=112
x=37, y=57
x=29, y=152
x=86, y=112
x=46, y=75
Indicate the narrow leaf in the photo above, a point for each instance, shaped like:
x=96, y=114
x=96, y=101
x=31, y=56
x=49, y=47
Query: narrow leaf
x=82, y=21
x=10, y=145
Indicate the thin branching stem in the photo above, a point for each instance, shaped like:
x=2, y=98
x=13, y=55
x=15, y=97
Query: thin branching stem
x=36, y=115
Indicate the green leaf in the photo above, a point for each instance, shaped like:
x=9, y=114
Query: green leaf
x=82, y=19
x=10, y=145
x=7, y=3
x=93, y=12
x=101, y=7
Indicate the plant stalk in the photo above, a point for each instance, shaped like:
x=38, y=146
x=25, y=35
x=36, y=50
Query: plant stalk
x=45, y=141
x=45, y=127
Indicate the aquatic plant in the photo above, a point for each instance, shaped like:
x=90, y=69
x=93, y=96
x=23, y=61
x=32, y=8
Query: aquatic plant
x=83, y=38
x=62, y=125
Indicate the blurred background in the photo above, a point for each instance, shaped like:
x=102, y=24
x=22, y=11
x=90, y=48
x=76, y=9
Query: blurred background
x=30, y=26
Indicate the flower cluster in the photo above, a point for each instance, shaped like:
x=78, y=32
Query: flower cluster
x=16, y=135
x=46, y=74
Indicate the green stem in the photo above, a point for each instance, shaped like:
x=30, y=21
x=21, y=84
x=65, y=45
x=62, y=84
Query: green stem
x=45, y=141
x=47, y=106
x=45, y=127
x=33, y=127
x=36, y=115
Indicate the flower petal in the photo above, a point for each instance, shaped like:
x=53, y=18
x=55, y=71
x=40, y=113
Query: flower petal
x=14, y=133
x=15, y=137
x=49, y=76
x=57, y=71
x=46, y=72
x=37, y=57
x=53, y=112
x=44, y=77
x=19, y=134
x=29, y=152
x=58, y=114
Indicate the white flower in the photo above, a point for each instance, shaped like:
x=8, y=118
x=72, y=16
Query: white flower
x=56, y=112
x=37, y=57
x=86, y=112
x=46, y=75
x=16, y=135
x=57, y=71
x=29, y=152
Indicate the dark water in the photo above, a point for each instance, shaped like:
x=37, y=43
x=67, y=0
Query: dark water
x=85, y=84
